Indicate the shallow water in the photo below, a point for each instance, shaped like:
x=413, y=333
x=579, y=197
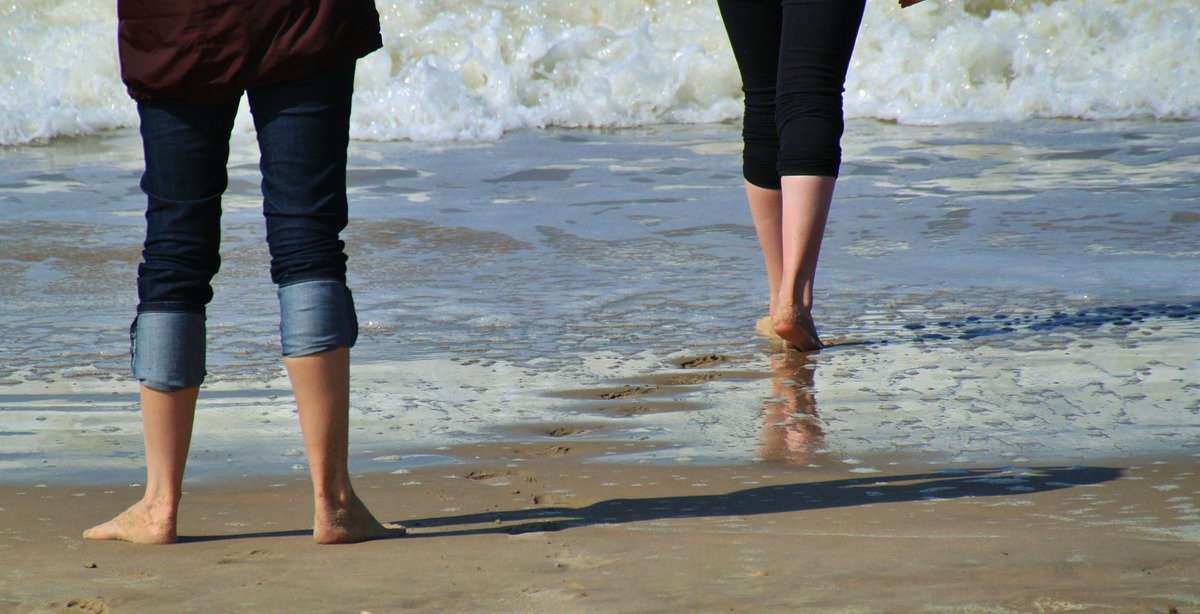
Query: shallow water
x=1001, y=291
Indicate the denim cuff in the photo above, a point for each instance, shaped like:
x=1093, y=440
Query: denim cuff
x=168, y=349
x=316, y=316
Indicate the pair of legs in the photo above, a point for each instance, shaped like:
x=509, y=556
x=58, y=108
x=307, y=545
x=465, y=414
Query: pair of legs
x=303, y=133
x=793, y=56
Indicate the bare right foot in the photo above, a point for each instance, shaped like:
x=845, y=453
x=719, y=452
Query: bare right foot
x=797, y=329
x=349, y=523
x=142, y=523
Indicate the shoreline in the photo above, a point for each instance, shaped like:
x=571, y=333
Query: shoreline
x=520, y=530
x=1002, y=309
x=999, y=400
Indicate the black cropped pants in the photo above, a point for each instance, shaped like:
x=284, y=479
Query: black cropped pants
x=793, y=56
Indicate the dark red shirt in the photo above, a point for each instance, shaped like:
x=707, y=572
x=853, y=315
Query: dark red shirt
x=211, y=50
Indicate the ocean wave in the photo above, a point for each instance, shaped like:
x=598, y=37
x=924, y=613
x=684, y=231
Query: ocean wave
x=475, y=69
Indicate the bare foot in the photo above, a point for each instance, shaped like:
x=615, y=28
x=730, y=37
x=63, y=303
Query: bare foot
x=796, y=328
x=142, y=523
x=349, y=524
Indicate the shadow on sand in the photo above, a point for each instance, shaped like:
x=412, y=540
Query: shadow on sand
x=799, y=497
x=948, y=484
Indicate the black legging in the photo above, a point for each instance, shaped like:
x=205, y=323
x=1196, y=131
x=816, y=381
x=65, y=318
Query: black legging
x=793, y=56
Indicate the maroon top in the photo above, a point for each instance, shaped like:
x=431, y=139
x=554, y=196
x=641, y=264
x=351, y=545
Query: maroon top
x=212, y=50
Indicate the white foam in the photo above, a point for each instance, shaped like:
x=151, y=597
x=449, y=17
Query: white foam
x=470, y=69
x=60, y=72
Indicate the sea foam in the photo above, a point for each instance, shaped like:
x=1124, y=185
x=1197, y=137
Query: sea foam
x=475, y=69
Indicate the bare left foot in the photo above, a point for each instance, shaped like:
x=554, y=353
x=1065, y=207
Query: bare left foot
x=143, y=523
x=350, y=523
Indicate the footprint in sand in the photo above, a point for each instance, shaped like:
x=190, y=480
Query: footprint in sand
x=690, y=379
x=702, y=361
x=552, y=451
x=626, y=392
x=665, y=382
x=566, y=431
x=94, y=605
x=248, y=556
x=577, y=560
x=480, y=475
x=524, y=451
x=633, y=409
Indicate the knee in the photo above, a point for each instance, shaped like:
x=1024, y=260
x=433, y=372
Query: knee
x=167, y=349
x=810, y=130
x=181, y=253
x=299, y=255
x=316, y=316
x=176, y=273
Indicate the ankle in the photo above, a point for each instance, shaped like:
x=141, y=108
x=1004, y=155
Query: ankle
x=334, y=497
x=160, y=508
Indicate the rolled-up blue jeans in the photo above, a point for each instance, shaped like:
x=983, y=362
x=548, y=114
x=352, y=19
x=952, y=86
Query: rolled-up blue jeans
x=303, y=133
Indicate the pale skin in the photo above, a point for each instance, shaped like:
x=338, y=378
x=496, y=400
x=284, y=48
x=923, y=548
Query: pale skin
x=790, y=224
x=321, y=383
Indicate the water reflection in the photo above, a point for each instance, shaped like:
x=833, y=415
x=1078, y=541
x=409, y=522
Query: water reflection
x=792, y=431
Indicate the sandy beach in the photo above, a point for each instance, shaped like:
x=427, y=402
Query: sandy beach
x=575, y=414
x=548, y=527
x=559, y=385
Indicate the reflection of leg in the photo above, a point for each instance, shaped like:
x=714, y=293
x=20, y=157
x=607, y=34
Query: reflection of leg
x=791, y=431
x=322, y=386
x=167, y=424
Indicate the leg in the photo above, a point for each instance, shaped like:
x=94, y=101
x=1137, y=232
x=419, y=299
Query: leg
x=322, y=386
x=766, y=209
x=815, y=48
x=186, y=149
x=806, y=201
x=167, y=425
x=303, y=133
x=754, y=29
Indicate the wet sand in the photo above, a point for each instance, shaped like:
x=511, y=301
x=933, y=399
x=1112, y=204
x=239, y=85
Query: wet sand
x=546, y=528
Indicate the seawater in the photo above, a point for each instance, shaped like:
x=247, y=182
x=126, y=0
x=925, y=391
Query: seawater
x=1015, y=291
x=475, y=69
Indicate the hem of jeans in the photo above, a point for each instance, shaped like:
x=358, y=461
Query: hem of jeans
x=170, y=307
x=321, y=349
x=306, y=279
x=167, y=388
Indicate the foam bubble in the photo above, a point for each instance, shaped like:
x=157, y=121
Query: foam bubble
x=472, y=69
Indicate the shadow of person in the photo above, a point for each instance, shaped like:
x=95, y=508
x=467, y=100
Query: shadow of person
x=797, y=497
x=791, y=431
x=947, y=484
